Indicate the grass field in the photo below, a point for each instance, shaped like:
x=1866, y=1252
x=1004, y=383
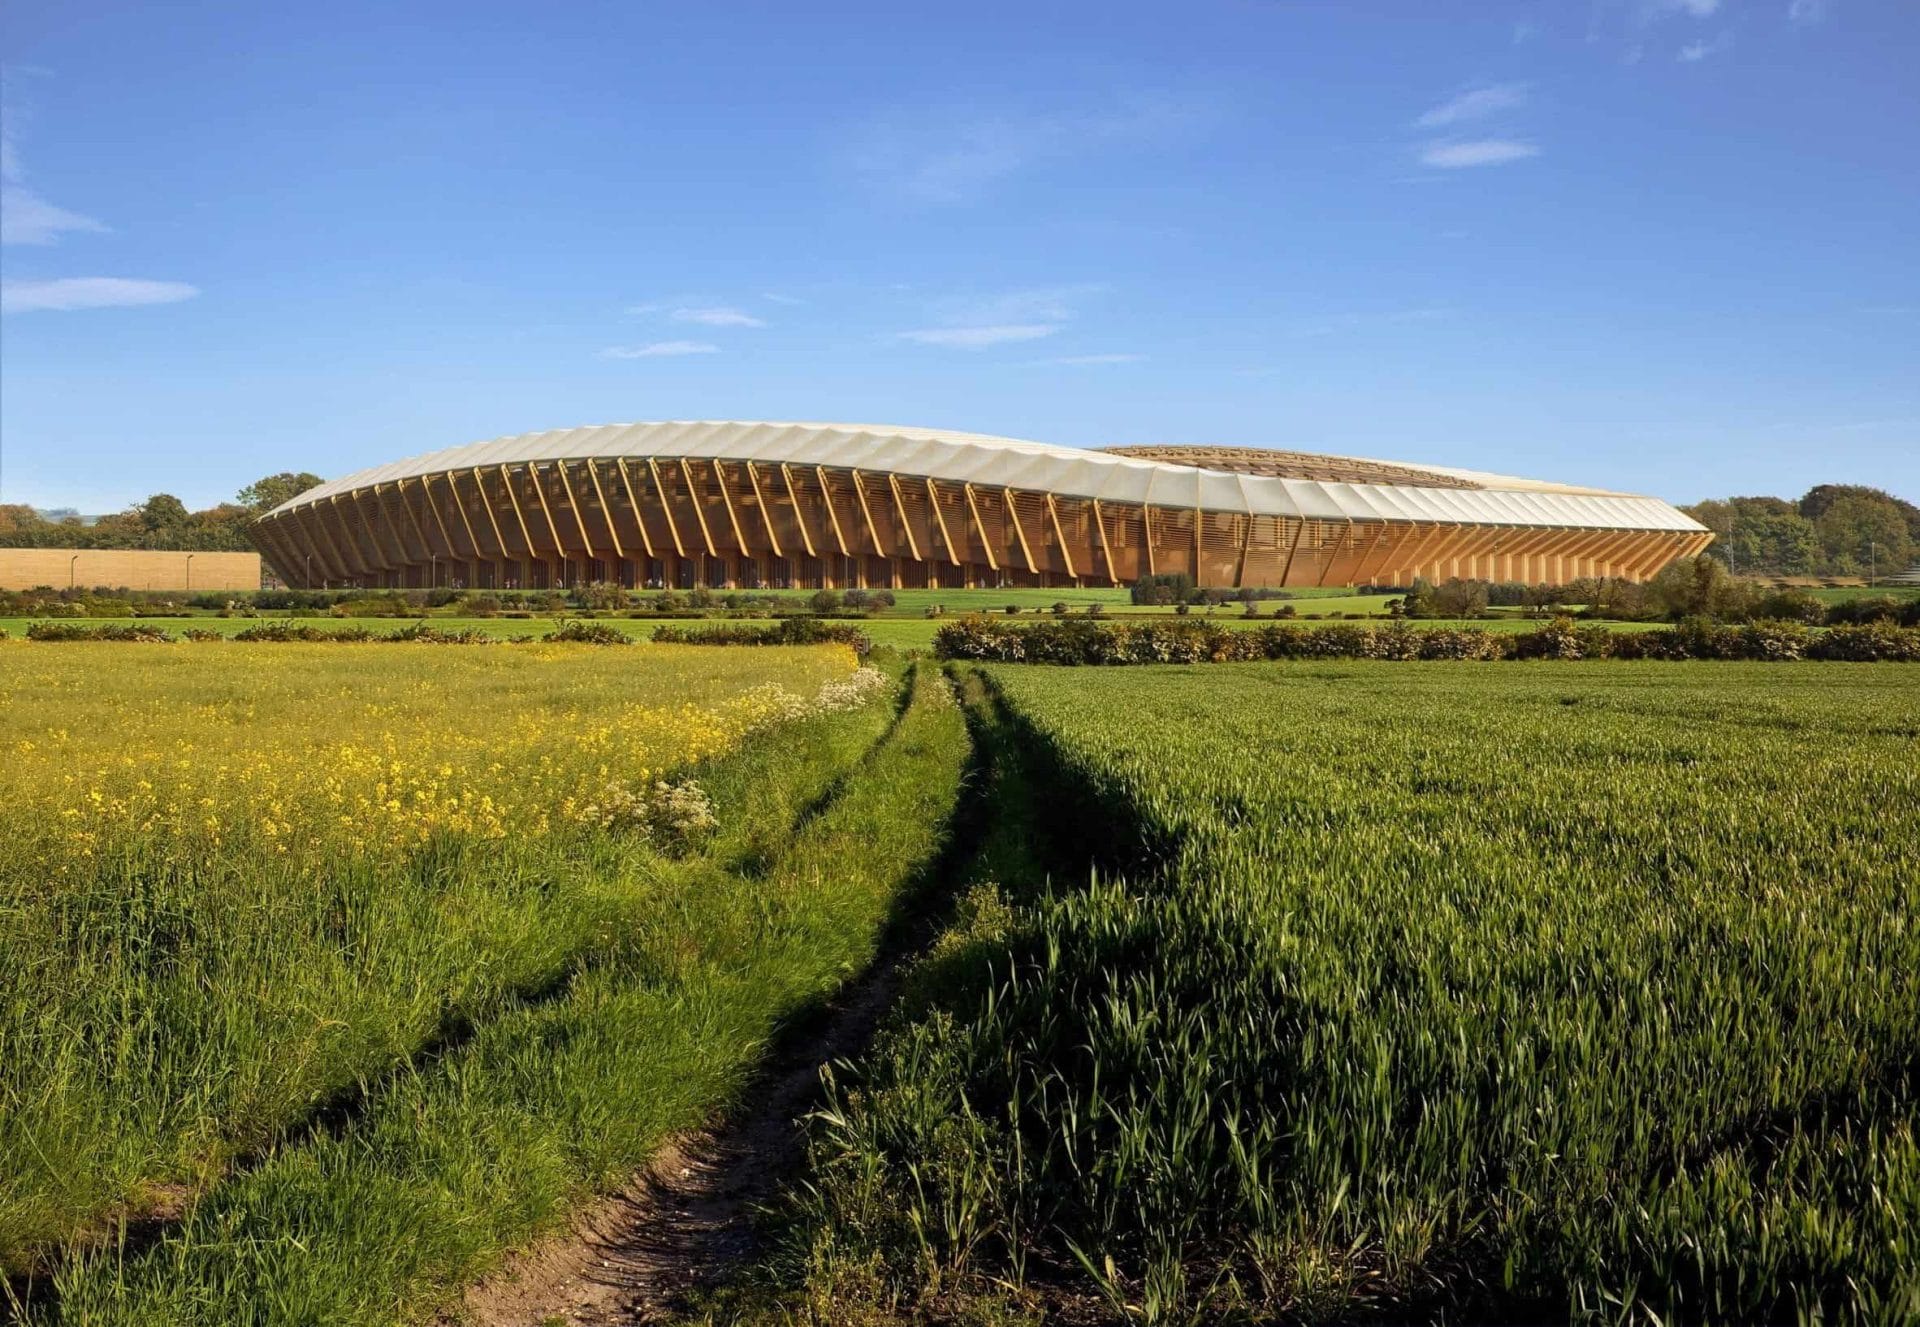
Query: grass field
x=256, y=897
x=1304, y=990
x=1591, y=992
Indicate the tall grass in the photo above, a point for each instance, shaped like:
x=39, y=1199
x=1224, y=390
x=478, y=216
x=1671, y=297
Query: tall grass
x=1552, y=994
x=236, y=886
x=388, y=1216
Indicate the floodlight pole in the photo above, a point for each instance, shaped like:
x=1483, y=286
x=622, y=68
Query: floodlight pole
x=1873, y=562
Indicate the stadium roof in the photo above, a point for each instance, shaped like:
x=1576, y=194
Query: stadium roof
x=1066, y=471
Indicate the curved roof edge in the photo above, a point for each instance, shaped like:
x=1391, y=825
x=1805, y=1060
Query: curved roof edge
x=1067, y=471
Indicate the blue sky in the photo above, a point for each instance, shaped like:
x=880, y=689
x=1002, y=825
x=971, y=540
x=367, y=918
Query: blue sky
x=1670, y=246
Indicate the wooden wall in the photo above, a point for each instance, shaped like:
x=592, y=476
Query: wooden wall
x=678, y=522
x=126, y=568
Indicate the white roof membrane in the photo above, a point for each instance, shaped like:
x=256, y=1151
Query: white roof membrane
x=1065, y=471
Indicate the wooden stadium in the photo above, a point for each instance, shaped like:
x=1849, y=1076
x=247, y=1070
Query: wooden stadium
x=773, y=505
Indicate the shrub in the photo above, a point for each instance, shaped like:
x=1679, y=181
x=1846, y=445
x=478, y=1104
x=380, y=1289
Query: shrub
x=1557, y=640
x=1078, y=641
x=825, y=601
x=1789, y=605
x=787, y=631
x=390, y=603
x=428, y=635
x=1775, y=641
x=1013, y=610
x=68, y=631
x=601, y=594
x=1874, y=642
x=293, y=632
x=1868, y=608
x=575, y=632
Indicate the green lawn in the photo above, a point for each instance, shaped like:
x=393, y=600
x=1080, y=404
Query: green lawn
x=1846, y=593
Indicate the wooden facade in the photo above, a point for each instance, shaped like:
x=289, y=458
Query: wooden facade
x=681, y=522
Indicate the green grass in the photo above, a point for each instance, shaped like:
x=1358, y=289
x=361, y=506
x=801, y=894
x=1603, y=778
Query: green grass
x=1584, y=993
x=243, y=882
x=1846, y=594
x=388, y=1216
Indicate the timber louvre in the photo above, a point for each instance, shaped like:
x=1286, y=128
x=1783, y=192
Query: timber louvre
x=812, y=506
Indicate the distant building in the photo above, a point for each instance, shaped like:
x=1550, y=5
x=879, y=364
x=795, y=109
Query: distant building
x=127, y=568
x=842, y=505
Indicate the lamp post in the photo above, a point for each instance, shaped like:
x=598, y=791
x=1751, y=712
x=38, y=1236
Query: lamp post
x=189, y=571
x=1873, y=562
x=72, y=562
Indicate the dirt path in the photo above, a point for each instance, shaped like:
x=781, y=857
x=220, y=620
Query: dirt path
x=687, y=1220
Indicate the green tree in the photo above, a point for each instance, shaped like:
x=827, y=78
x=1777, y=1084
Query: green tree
x=1822, y=496
x=269, y=492
x=1699, y=587
x=1858, y=532
x=1759, y=534
x=161, y=512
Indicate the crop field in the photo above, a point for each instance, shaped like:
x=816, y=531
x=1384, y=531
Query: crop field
x=330, y=975
x=1588, y=991
x=302, y=945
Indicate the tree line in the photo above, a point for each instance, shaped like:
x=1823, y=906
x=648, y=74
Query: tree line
x=1834, y=530
x=162, y=521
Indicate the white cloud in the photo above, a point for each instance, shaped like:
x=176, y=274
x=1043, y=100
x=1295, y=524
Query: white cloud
x=971, y=322
x=1696, y=51
x=654, y=349
x=1112, y=358
x=90, y=292
x=1035, y=304
x=1478, y=152
x=26, y=217
x=718, y=316
x=773, y=297
x=956, y=155
x=1692, y=8
x=1475, y=104
x=978, y=338
x=1805, y=13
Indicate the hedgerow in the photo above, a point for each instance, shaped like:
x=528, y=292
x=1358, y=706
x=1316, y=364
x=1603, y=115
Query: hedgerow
x=1079, y=641
x=788, y=631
